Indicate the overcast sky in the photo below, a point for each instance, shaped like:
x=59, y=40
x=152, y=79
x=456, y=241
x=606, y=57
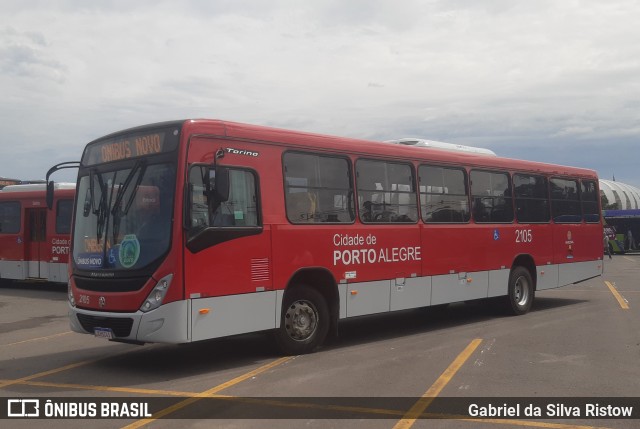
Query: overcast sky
x=552, y=81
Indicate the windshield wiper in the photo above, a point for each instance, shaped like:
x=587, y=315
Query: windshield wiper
x=116, y=210
x=102, y=210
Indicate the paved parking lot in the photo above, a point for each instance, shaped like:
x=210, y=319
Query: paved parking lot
x=381, y=372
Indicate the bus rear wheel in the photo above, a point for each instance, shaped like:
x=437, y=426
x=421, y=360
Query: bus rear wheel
x=521, y=293
x=304, y=322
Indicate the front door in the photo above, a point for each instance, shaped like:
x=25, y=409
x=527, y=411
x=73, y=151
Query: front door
x=35, y=240
x=229, y=247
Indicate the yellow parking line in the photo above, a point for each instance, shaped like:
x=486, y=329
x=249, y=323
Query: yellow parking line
x=206, y=393
x=46, y=373
x=36, y=339
x=418, y=408
x=623, y=302
x=108, y=388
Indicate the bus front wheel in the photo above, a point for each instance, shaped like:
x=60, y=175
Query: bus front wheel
x=304, y=322
x=521, y=292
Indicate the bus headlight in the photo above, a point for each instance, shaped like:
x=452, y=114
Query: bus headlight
x=155, y=298
x=72, y=300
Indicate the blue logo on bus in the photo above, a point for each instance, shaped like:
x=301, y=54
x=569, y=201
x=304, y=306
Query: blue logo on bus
x=113, y=256
x=496, y=235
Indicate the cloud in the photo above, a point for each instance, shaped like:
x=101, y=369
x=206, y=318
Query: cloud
x=507, y=74
x=25, y=55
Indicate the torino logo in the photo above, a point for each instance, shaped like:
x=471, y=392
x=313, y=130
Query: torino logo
x=242, y=152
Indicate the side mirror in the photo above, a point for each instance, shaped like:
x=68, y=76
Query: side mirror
x=50, y=186
x=49, y=198
x=220, y=183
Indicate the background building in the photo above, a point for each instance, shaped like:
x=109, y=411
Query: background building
x=621, y=209
x=619, y=196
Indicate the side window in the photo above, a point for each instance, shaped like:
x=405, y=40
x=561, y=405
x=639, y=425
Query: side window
x=532, y=200
x=386, y=192
x=9, y=217
x=565, y=201
x=63, y=216
x=199, y=209
x=318, y=188
x=589, y=198
x=491, y=196
x=443, y=194
x=239, y=209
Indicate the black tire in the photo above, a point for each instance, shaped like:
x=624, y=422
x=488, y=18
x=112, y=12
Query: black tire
x=521, y=291
x=304, y=322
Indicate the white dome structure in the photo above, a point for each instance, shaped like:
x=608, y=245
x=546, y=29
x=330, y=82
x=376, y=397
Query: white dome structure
x=626, y=197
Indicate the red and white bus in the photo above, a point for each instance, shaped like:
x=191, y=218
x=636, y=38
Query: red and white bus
x=197, y=229
x=34, y=242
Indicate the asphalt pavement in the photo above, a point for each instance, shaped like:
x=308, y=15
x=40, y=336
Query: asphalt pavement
x=579, y=345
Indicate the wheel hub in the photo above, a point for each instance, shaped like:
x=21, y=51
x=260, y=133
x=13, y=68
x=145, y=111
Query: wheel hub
x=521, y=292
x=301, y=320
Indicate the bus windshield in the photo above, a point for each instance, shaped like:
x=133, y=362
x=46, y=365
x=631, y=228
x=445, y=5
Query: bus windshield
x=123, y=216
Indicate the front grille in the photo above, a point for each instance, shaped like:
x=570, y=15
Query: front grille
x=121, y=326
x=110, y=284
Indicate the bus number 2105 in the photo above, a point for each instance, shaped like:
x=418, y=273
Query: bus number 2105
x=524, y=236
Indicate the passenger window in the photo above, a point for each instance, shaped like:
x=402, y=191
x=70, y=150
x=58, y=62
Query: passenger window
x=386, y=192
x=565, y=201
x=318, y=188
x=443, y=194
x=9, y=217
x=532, y=200
x=589, y=198
x=491, y=196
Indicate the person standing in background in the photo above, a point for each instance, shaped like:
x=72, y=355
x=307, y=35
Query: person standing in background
x=606, y=244
x=632, y=243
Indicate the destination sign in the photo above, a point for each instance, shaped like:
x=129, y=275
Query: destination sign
x=130, y=146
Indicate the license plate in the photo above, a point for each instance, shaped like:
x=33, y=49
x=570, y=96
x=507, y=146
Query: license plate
x=103, y=333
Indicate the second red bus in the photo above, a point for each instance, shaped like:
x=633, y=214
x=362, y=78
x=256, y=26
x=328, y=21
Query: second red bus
x=35, y=242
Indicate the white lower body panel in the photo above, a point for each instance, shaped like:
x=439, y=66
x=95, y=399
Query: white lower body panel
x=578, y=271
x=357, y=299
x=37, y=270
x=206, y=318
x=233, y=314
x=14, y=270
x=460, y=287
